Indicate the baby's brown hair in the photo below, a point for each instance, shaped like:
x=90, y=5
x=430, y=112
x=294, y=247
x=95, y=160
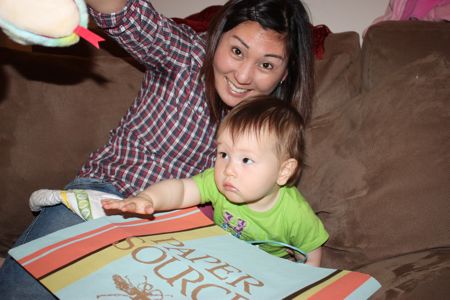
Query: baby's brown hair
x=262, y=114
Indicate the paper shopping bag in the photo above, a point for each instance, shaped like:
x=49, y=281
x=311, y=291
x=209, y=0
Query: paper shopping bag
x=177, y=255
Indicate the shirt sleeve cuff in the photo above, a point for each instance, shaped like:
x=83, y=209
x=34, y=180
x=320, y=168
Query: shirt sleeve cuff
x=110, y=20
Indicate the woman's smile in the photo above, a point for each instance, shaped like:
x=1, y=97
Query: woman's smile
x=249, y=61
x=235, y=89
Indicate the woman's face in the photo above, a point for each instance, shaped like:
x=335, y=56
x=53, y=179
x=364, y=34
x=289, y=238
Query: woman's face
x=249, y=61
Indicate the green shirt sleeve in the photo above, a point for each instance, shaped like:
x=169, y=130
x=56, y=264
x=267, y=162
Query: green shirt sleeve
x=307, y=230
x=207, y=186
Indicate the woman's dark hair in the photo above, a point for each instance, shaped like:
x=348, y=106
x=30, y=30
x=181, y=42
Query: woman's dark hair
x=287, y=17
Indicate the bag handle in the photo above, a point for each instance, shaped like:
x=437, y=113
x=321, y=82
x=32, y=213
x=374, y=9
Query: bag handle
x=295, y=249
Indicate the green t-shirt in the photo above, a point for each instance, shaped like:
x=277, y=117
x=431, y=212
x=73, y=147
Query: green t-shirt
x=291, y=220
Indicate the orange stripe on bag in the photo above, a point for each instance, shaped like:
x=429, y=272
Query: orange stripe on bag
x=342, y=287
x=60, y=254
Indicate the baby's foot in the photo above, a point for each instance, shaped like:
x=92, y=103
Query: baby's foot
x=44, y=197
x=85, y=203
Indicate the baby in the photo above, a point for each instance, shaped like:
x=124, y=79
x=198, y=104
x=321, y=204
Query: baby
x=252, y=185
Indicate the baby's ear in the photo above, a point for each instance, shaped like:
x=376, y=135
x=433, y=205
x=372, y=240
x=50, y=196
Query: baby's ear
x=287, y=169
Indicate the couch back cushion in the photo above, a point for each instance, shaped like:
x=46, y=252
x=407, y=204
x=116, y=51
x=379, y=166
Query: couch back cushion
x=337, y=74
x=390, y=45
x=54, y=111
x=378, y=168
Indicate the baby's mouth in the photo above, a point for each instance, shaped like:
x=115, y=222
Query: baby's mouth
x=229, y=187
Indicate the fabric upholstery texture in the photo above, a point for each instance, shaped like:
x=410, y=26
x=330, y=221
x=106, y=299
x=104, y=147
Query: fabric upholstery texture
x=337, y=74
x=378, y=173
x=384, y=156
x=54, y=111
x=390, y=45
x=417, y=275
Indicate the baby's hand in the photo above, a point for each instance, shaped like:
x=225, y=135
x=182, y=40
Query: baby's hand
x=138, y=205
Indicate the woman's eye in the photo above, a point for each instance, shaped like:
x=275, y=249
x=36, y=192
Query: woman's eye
x=236, y=51
x=267, y=66
x=247, y=160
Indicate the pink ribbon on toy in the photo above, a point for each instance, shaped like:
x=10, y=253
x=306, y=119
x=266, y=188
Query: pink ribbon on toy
x=89, y=36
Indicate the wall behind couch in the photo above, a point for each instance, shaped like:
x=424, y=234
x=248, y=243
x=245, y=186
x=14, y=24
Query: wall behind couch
x=342, y=15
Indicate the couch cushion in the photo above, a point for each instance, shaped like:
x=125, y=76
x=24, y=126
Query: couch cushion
x=378, y=171
x=54, y=110
x=337, y=74
x=390, y=45
x=415, y=276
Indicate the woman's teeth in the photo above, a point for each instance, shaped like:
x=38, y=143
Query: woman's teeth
x=235, y=89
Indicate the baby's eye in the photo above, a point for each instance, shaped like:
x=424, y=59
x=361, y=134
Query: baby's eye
x=222, y=155
x=247, y=160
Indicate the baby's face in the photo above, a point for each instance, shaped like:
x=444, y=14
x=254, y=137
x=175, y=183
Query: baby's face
x=247, y=169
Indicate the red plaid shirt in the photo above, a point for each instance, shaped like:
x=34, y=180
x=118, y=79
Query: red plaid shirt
x=167, y=132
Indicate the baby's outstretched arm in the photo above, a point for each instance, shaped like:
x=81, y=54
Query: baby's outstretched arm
x=164, y=195
x=138, y=204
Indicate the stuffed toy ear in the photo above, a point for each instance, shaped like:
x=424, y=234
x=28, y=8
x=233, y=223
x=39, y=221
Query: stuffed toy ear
x=51, y=23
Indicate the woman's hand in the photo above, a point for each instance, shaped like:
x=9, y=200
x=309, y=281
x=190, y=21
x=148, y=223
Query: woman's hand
x=140, y=204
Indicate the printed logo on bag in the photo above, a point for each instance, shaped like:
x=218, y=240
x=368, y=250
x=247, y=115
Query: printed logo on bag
x=195, y=273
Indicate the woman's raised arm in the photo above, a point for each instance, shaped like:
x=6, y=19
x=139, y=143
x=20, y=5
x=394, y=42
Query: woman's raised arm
x=106, y=6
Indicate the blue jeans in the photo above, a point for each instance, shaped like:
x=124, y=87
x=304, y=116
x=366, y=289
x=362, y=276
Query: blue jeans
x=16, y=282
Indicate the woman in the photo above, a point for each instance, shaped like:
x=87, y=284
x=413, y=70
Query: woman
x=253, y=47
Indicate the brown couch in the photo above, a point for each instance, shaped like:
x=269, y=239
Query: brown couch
x=378, y=147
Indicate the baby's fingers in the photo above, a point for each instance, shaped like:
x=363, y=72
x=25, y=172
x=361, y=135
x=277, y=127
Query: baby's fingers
x=111, y=203
x=138, y=207
x=132, y=205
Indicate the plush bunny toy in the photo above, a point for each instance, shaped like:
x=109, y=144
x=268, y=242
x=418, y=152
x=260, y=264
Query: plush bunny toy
x=51, y=23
